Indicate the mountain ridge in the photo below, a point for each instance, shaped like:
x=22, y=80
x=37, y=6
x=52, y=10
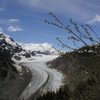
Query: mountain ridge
x=43, y=48
x=30, y=49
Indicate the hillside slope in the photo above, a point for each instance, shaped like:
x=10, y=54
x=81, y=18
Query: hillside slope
x=12, y=79
x=12, y=82
x=82, y=74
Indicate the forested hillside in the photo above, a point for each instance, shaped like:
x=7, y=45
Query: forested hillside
x=82, y=70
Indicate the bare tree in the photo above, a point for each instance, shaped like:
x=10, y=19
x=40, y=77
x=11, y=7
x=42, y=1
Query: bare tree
x=81, y=34
x=78, y=33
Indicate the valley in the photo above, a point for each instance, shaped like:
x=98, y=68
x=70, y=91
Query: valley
x=25, y=69
x=43, y=77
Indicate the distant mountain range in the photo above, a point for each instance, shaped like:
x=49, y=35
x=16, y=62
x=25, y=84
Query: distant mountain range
x=26, y=49
x=14, y=77
x=43, y=48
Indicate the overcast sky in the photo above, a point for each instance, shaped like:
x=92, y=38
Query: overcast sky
x=23, y=20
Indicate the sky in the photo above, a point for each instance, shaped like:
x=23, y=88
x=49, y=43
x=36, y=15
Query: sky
x=23, y=20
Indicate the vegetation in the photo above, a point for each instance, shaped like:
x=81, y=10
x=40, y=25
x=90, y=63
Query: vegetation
x=83, y=77
x=77, y=33
x=62, y=94
x=82, y=65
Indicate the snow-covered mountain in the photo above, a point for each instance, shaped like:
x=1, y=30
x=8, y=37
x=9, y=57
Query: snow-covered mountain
x=43, y=48
x=8, y=43
x=26, y=49
x=13, y=77
x=12, y=47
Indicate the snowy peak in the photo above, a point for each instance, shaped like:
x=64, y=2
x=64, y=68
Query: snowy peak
x=26, y=49
x=43, y=48
x=37, y=47
x=8, y=43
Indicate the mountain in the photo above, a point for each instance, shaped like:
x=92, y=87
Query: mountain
x=26, y=50
x=43, y=48
x=10, y=45
x=82, y=70
x=13, y=78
